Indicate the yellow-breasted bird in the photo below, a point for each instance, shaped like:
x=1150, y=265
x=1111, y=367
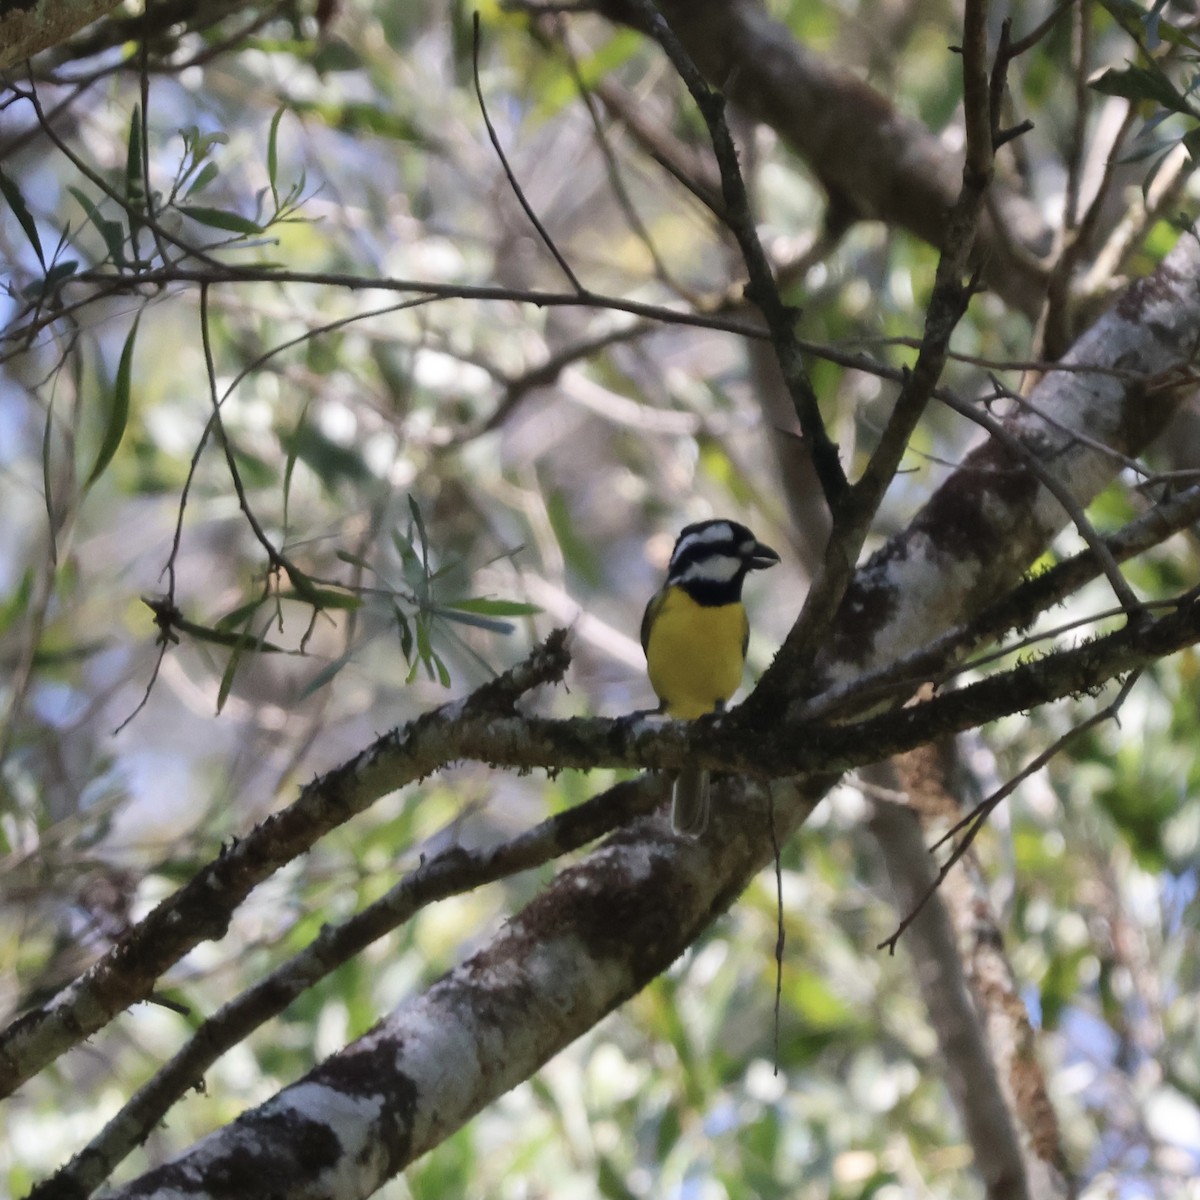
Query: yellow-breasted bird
x=695, y=632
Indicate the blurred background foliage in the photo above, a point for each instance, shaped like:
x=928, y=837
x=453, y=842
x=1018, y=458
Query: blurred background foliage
x=442, y=500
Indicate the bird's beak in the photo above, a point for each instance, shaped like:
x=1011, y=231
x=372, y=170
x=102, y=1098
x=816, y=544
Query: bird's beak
x=762, y=557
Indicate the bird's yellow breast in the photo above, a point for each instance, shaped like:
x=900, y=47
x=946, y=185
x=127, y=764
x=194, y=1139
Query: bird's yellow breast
x=695, y=653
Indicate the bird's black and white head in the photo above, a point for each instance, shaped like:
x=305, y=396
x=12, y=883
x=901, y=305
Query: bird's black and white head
x=711, y=559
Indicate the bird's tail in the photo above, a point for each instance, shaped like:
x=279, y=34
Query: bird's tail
x=689, y=809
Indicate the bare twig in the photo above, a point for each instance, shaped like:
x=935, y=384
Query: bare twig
x=612, y=167
x=976, y=819
x=1059, y=490
x=1035, y=35
x=277, y=559
x=494, y=137
x=761, y=289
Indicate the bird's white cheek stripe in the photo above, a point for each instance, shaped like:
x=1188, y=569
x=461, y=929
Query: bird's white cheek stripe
x=720, y=568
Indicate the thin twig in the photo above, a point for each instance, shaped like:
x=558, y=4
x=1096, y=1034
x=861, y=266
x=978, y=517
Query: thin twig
x=1035, y=35
x=1059, y=489
x=612, y=167
x=761, y=289
x=975, y=820
x=1081, y=54
x=276, y=558
x=780, y=933
x=542, y=232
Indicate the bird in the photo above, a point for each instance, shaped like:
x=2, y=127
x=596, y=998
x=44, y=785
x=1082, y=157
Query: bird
x=695, y=632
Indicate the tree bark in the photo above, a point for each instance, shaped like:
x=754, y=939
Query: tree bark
x=28, y=28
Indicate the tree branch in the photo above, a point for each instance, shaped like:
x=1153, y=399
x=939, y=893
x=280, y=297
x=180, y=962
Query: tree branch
x=452, y=872
x=201, y=909
x=993, y=517
x=885, y=165
x=761, y=290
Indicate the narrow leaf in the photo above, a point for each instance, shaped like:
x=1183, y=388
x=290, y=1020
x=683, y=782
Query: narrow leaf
x=14, y=607
x=493, y=608
x=135, y=191
x=406, y=635
x=207, y=174
x=293, y=446
x=477, y=622
x=20, y=210
x=1140, y=83
x=443, y=672
x=354, y=560
x=227, y=676
x=111, y=231
x=118, y=409
x=221, y=637
x=419, y=521
x=324, y=676
x=59, y=272
x=273, y=155
x=219, y=218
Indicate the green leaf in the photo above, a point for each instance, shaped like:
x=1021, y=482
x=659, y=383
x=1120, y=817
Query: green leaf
x=317, y=597
x=273, y=154
x=219, y=218
x=1156, y=166
x=206, y=175
x=307, y=591
x=324, y=676
x=404, y=548
x=112, y=232
x=14, y=607
x=326, y=598
x=1135, y=21
x=221, y=637
x=443, y=672
x=406, y=633
x=237, y=617
x=493, y=608
x=135, y=190
x=289, y=468
x=331, y=462
x=355, y=560
x=57, y=273
x=481, y=612
x=1141, y=83
x=231, y=667
x=133, y=156
x=20, y=210
x=200, y=144
x=118, y=409
x=419, y=521
x=1148, y=149
x=476, y=622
